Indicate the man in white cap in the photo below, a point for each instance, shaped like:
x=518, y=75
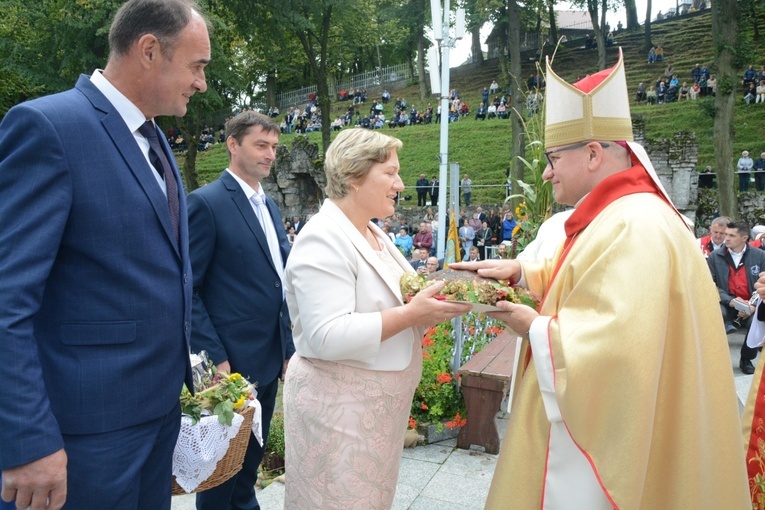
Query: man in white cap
x=626, y=398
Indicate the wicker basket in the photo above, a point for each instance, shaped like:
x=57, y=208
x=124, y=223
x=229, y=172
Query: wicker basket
x=231, y=463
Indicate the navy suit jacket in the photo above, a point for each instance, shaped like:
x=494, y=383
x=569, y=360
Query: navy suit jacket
x=95, y=296
x=239, y=312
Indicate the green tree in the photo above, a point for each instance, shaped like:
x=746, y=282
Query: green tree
x=725, y=35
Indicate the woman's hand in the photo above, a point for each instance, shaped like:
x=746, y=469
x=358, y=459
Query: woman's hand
x=428, y=310
x=499, y=269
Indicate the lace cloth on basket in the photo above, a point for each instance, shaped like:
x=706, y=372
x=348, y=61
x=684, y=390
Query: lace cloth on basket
x=201, y=446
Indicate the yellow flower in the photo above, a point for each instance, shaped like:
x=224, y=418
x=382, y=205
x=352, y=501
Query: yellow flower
x=516, y=230
x=239, y=403
x=235, y=377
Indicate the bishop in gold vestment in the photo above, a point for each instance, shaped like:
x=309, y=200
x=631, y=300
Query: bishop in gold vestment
x=627, y=399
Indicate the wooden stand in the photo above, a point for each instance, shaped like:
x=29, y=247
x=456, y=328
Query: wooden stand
x=485, y=380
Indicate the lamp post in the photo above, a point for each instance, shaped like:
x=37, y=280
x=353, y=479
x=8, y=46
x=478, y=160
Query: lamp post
x=442, y=34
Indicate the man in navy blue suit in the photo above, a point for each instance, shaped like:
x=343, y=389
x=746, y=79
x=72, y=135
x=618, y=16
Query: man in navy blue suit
x=238, y=250
x=95, y=293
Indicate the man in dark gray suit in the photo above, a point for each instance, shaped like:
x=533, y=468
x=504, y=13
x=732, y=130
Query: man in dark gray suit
x=95, y=285
x=238, y=250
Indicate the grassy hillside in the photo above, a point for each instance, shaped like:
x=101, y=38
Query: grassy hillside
x=482, y=147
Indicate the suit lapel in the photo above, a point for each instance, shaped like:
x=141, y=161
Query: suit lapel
x=125, y=143
x=245, y=209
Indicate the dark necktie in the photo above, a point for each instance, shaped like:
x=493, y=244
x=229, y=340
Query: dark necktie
x=160, y=163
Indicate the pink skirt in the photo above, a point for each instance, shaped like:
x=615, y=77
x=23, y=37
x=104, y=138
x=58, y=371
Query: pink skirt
x=344, y=433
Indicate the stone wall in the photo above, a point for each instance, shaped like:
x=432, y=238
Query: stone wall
x=297, y=179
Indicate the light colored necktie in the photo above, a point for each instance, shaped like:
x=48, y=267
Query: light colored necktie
x=267, y=224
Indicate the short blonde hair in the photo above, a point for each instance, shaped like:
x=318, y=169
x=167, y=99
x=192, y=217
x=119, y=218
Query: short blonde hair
x=352, y=154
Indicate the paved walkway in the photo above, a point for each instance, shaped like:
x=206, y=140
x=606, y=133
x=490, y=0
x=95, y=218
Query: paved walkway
x=441, y=477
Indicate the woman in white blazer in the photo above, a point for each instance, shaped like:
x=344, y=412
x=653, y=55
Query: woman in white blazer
x=349, y=387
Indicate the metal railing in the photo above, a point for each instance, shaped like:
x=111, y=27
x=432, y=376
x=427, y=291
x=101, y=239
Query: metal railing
x=367, y=80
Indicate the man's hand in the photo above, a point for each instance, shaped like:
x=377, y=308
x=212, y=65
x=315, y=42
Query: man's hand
x=38, y=485
x=517, y=317
x=224, y=366
x=499, y=269
x=759, y=285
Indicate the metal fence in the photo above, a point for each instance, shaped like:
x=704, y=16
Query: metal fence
x=368, y=80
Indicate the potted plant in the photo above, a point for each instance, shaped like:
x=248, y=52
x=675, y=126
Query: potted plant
x=273, y=456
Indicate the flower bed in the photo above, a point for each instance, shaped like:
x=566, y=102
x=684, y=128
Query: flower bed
x=438, y=401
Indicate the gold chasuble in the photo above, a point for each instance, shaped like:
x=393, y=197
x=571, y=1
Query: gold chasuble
x=644, y=385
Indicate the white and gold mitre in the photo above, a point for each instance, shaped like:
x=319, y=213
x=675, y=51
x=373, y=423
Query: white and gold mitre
x=595, y=108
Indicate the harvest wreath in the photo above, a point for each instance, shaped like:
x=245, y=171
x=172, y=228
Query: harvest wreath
x=467, y=287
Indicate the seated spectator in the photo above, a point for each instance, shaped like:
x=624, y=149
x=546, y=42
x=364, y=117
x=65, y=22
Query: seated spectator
x=491, y=111
x=640, y=94
x=652, y=55
x=672, y=93
x=696, y=73
x=420, y=260
x=751, y=94
x=472, y=255
x=480, y=112
x=365, y=123
x=761, y=92
x=735, y=268
x=496, y=101
x=694, y=91
x=403, y=119
x=650, y=96
x=494, y=87
x=432, y=265
x=385, y=96
x=712, y=85
x=716, y=237
x=668, y=72
x=464, y=109
x=337, y=124
x=379, y=121
x=750, y=75
x=393, y=122
x=502, y=111
x=661, y=93
x=674, y=81
x=660, y=54
x=343, y=96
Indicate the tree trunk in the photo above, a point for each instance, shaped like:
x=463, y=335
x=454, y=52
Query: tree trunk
x=516, y=101
x=592, y=8
x=271, y=87
x=632, y=15
x=724, y=42
x=553, y=24
x=190, y=166
x=421, y=78
x=647, y=42
x=753, y=19
x=476, y=45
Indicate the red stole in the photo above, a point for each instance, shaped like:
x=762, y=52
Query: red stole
x=610, y=189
